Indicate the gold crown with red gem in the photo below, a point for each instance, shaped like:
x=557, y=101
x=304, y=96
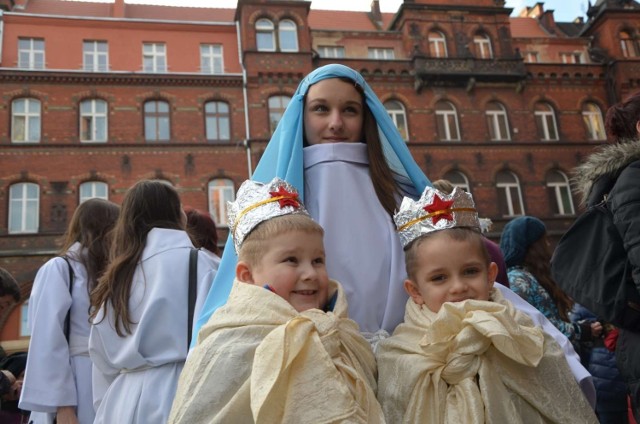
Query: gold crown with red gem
x=435, y=211
x=257, y=202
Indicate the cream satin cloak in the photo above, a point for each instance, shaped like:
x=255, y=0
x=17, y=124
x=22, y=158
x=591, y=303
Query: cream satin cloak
x=476, y=362
x=259, y=360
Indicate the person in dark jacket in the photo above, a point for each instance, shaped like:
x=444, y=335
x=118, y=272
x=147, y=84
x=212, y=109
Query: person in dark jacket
x=615, y=170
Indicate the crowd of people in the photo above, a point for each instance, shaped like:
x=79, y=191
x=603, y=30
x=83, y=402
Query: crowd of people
x=351, y=289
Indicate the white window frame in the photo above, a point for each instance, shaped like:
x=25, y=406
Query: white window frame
x=592, y=117
x=31, y=53
x=264, y=29
x=561, y=190
x=93, y=52
x=458, y=179
x=154, y=57
x=92, y=118
x=439, y=42
x=93, y=190
x=381, y=53
x=21, y=202
x=216, y=119
x=628, y=44
x=211, y=59
x=158, y=117
x=220, y=191
x=444, y=118
x=331, y=52
x=287, y=34
x=572, y=57
x=531, y=57
x=276, y=110
x=546, y=122
x=511, y=189
x=398, y=115
x=494, y=118
x=483, y=46
x=27, y=116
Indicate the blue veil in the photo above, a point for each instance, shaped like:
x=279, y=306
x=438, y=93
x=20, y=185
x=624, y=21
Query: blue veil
x=283, y=158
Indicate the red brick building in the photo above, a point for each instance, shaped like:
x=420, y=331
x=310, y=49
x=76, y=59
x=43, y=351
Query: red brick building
x=96, y=96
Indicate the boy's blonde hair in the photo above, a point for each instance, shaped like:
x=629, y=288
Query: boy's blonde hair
x=254, y=244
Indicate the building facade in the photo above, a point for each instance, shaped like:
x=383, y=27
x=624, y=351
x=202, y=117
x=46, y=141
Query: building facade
x=96, y=96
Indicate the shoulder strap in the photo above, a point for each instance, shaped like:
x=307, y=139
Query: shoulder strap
x=193, y=275
x=67, y=320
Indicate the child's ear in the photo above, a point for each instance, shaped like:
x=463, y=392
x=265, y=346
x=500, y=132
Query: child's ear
x=412, y=290
x=492, y=274
x=243, y=272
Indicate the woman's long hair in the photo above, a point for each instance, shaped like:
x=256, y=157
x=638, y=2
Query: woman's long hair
x=622, y=119
x=147, y=205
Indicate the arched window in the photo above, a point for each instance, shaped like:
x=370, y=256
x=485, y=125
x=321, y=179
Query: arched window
x=396, y=111
x=592, y=117
x=546, y=121
x=156, y=121
x=287, y=36
x=482, y=44
x=93, y=190
x=628, y=44
x=437, y=44
x=509, y=194
x=217, y=121
x=447, y=121
x=93, y=120
x=559, y=192
x=25, y=120
x=277, y=106
x=265, y=37
x=458, y=179
x=24, y=208
x=221, y=191
x=497, y=121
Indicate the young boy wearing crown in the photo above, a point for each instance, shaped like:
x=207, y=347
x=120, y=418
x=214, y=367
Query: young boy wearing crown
x=464, y=354
x=282, y=349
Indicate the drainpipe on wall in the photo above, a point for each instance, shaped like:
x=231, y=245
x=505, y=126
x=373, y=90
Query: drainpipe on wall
x=247, y=144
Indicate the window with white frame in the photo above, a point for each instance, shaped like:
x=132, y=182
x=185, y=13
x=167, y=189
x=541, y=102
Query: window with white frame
x=217, y=121
x=154, y=57
x=221, y=191
x=211, y=61
x=31, y=53
x=571, y=57
x=447, y=121
x=25, y=120
x=265, y=35
x=333, y=52
x=560, y=193
x=382, y=53
x=458, y=179
x=95, y=56
x=546, y=121
x=531, y=57
x=93, y=121
x=24, y=208
x=277, y=106
x=497, y=121
x=156, y=121
x=287, y=36
x=437, y=44
x=93, y=190
x=396, y=111
x=482, y=43
x=509, y=194
x=628, y=44
x=592, y=117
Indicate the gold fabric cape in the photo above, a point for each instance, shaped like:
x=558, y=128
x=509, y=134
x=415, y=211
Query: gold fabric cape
x=476, y=362
x=260, y=361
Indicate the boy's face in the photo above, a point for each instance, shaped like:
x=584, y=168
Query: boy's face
x=293, y=265
x=449, y=270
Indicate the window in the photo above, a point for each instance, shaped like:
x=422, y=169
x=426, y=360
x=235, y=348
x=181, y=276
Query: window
x=509, y=194
x=265, y=37
x=546, y=122
x=572, y=57
x=437, y=44
x=24, y=205
x=156, y=121
x=381, y=53
x=447, y=121
x=93, y=120
x=95, y=56
x=288, y=36
x=531, y=57
x=221, y=191
x=93, y=190
x=482, y=44
x=277, y=105
x=154, y=57
x=217, y=126
x=398, y=116
x=25, y=120
x=497, y=121
x=458, y=179
x=31, y=53
x=592, y=117
x=334, y=52
x=628, y=45
x=211, y=59
x=560, y=193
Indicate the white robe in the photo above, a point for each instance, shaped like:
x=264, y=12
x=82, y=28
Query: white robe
x=135, y=377
x=58, y=373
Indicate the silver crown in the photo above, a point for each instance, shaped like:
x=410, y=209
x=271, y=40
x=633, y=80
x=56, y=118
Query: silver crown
x=435, y=211
x=257, y=202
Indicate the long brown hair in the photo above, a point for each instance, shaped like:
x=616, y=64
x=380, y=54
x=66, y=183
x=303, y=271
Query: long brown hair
x=147, y=205
x=622, y=118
